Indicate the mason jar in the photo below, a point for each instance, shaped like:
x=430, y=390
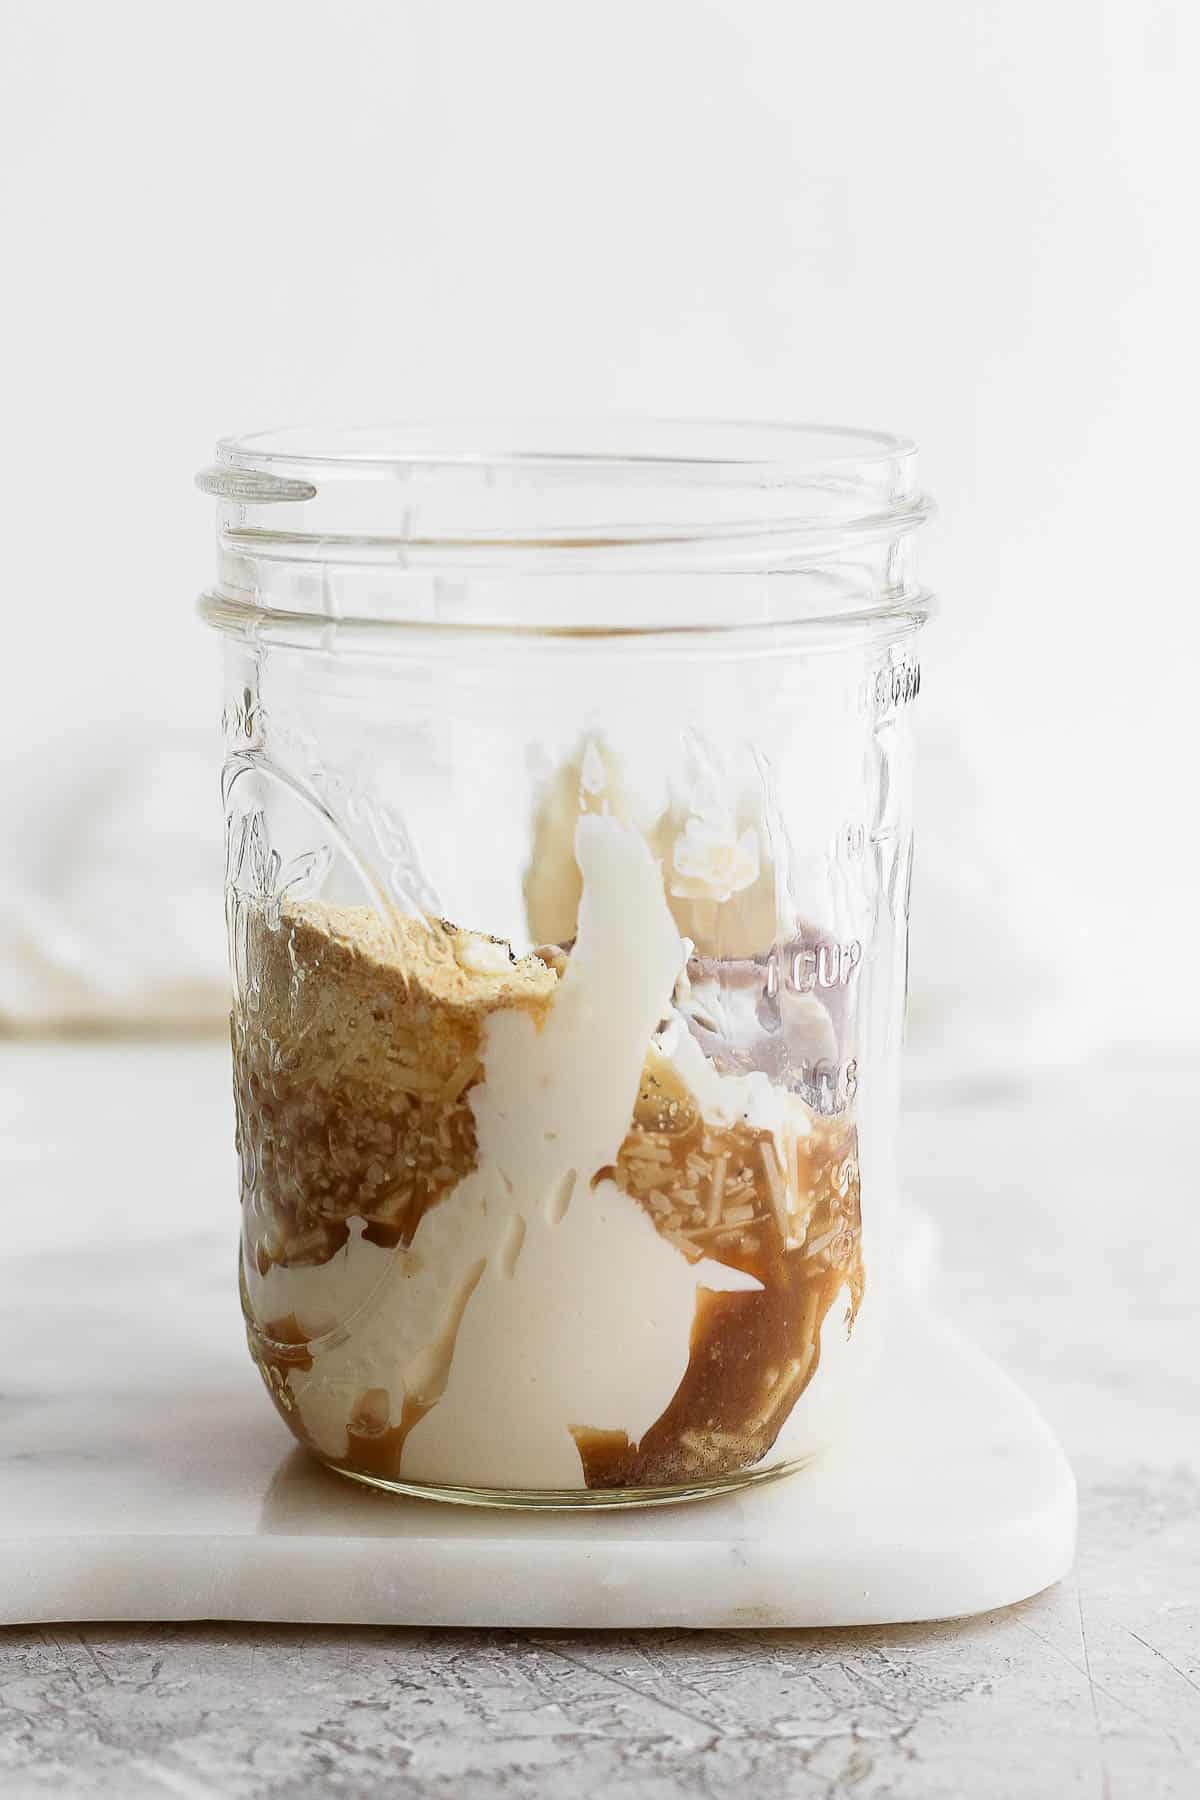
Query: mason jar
x=567, y=804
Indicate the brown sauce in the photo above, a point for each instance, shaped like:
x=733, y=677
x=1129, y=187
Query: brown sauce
x=751, y=1354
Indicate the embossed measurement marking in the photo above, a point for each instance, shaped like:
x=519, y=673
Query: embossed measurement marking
x=828, y=1087
x=892, y=686
x=801, y=968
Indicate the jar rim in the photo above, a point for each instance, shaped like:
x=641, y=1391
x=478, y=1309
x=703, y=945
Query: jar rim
x=348, y=521
x=770, y=453
x=555, y=485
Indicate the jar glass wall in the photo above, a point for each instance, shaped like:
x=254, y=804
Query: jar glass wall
x=569, y=840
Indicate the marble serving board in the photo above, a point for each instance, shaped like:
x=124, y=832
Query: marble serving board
x=143, y=1474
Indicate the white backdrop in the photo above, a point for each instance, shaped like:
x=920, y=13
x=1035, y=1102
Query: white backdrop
x=968, y=221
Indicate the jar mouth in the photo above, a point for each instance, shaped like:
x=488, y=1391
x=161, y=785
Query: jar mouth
x=570, y=484
x=443, y=522
x=774, y=452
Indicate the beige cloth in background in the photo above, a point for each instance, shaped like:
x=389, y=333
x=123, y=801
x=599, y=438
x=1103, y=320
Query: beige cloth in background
x=110, y=909
x=1007, y=974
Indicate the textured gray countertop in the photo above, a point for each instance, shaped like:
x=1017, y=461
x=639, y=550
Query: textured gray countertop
x=1070, y=1243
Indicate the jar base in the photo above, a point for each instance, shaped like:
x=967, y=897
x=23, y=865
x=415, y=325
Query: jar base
x=572, y=1499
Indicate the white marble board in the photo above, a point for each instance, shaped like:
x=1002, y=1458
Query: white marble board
x=144, y=1476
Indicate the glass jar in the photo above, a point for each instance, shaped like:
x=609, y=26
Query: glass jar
x=569, y=841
